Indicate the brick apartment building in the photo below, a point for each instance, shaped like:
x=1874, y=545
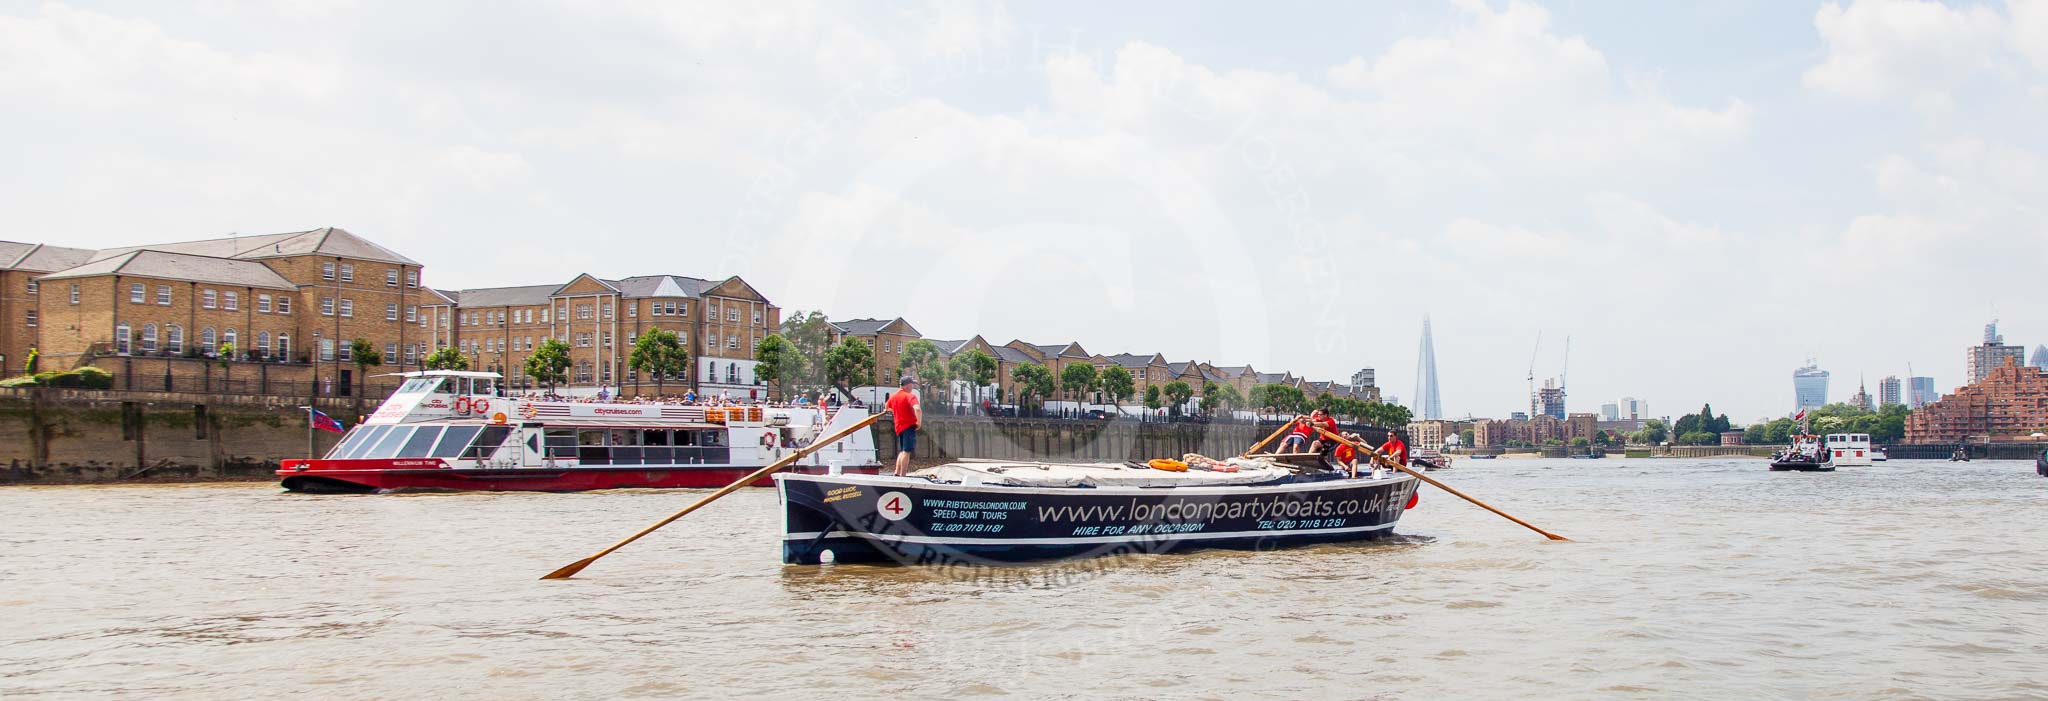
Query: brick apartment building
x=290, y=304
x=719, y=323
x=2009, y=403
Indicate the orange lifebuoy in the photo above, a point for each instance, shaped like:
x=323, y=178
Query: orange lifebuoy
x=1167, y=465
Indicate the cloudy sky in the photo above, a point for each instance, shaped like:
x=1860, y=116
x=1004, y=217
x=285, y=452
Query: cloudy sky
x=1700, y=197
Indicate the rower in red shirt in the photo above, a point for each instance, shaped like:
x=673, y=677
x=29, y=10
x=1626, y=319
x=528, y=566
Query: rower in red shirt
x=1395, y=449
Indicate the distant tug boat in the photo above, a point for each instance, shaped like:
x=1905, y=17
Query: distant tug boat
x=448, y=430
x=972, y=513
x=1804, y=455
x=1431, y=460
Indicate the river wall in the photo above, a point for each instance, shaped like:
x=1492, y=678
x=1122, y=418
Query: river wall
x=50, y=435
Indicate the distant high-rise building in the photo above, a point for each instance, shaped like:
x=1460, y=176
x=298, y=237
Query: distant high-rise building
x=1519, y=416
x=1362, y=379
x=1550, y=400
x=1634, y=409
x=1809, y=387
x=1610, y=412
x=1888, y=391
x=1427, y=404
x=1920, y=392
x=1993, y=353
x=2041, y=356
x=1861, y=399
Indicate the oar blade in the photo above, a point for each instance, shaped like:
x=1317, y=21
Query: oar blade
x=571, y=569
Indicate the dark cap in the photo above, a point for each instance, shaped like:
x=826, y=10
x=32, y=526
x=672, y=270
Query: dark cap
x=908, y=380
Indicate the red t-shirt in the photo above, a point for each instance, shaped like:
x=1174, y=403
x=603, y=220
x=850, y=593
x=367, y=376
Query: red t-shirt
x=1345, y=453
x=904, y=407
x=1329, y=424
x=1302, y=428
x=1395, y=449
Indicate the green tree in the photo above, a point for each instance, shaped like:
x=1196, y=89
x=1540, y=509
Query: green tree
x=365, y=356
x=1152, y=397
x=1033, y=382
x=975, y=368
x=848, y=363
x=778, y=361
x=1226, y=396
x=1654, y=432
x=921, y=358
x=1116, y=384
x=1581, y=442
x=445, y=358
x=811, y=334
x=1177, y=395
x=549, y=363
x=1077, y=379
x=1466, y=437
x=1698, y=438
x=659, y=353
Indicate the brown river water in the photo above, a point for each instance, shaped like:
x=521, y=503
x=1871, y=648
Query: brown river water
x=1709, y=579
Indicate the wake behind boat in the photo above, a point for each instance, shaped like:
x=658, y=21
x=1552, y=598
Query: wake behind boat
x=1011, y=511
x=449, y=430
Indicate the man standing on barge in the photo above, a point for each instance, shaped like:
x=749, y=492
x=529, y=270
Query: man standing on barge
x=908, y=416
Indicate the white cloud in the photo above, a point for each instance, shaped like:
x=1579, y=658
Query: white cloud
x=1918, y=49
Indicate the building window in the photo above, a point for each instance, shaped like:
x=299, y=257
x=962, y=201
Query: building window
x=148, y=338
x=327, y=349
x=31, y=318
x=757, y=317
x=122, y=336
x=732, y=315
x=284, y=306
x=263, y=344
x=326, y=271
x=607, y=310
x=682, y=309
x=654, y=308
x=582, y=311
x=412, y=278
x=633, y=309
x=583, y=340
x=263, y=303
x=284, y=346
x=607, y=339
x=74, y=293
x=33, y=286
x=390, y=311
x=135, y=293
x=227, y=338
x=206, y=340
x=348, y=307
x=163, y=295
x=231, y=300
x=732, y=373
x=206, y=299
x=176, y=338
x=732, y=342
x=391, y=352
x=391, y=278
x=683, y=338
x=412, y=354
x=326, y=306
x=412, y=313
x=348, y=272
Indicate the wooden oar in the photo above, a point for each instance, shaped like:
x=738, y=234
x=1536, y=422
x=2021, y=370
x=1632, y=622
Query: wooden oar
x=1384, y=460
x=577, y=566
x=1284, y=425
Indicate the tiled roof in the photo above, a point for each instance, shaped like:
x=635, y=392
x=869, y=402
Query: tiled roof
x=1233, y=370
x=1130, y=360
x=323, y=241
x=1267, y=378
x=437, y=297
x=662, y=286
x=525, y=295
x=948, y=348
x=180, y=266
x=861, y=327
x=38, y=257
x=1012, y=355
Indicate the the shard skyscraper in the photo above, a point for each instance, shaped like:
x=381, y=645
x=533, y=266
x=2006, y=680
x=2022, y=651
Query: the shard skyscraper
x=1427, y=404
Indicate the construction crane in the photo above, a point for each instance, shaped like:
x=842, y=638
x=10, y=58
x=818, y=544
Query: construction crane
x=1532, y=373
x=1564, y=370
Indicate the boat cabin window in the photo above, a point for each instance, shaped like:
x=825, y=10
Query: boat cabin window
x=421, y=442
x=454, y=441
x=487, y=444
x=420, y=385
x=388, y=446
x=651, y=446
x=484, y=385
x=354, y=442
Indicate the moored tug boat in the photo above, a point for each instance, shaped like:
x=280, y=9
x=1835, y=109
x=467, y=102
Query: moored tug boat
x=1804, y=455
x=1000, y=512
x=449, y=430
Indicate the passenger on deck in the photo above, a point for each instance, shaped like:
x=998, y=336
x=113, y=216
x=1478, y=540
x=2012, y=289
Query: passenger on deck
x=1298, y=439
x=1395, y=449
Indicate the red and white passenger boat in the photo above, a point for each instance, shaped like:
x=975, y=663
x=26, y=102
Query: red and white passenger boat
x=448, y=430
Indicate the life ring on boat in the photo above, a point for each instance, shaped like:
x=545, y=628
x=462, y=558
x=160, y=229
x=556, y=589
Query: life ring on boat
x=1167, y=464
x=480, y=407
x=461, y=405
x=529, y=411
